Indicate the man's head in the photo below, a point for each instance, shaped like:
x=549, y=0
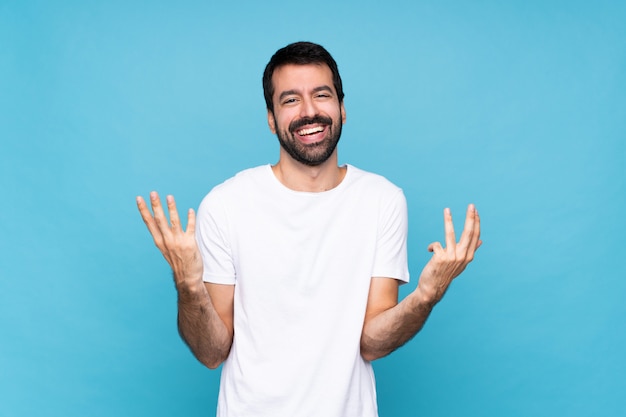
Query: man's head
x=304, y=100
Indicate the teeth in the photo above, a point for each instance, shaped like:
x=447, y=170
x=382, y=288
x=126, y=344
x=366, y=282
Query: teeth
x=310, y=131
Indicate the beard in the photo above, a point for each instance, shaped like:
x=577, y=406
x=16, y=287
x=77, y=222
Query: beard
x=312, y=154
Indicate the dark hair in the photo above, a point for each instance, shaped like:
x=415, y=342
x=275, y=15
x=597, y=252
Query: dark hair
x=299, y=53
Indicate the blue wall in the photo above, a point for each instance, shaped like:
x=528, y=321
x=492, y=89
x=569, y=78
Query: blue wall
x=519, y=107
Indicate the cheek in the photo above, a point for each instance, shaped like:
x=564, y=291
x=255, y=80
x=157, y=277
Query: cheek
x=278, y=122
x=334, y=112
x=282, y=122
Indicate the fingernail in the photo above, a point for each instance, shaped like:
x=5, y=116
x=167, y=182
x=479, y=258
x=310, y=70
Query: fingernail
x=446, y=211
x=153, y=195
x=472, y=207
x=170, y=198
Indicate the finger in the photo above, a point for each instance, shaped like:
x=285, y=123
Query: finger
x=191, y=221
x=468, y=230
x=475, y=240
x=449, y=229
x=146, y=215
x=159, y=214
x=476, y=236
x=171, y=207
x=435, y=247
x=149, y=220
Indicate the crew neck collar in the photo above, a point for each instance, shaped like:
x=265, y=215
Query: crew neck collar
x=345, y=180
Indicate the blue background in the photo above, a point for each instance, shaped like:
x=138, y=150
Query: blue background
x=519, y=107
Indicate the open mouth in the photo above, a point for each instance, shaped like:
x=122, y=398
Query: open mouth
x=311, y=135
x=310, y=131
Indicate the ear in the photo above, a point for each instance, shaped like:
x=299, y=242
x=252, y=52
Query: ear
x=343, y=114
x=271, y=121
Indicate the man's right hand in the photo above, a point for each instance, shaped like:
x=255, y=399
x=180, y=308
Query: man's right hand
x=207, y=328
x=179, y=247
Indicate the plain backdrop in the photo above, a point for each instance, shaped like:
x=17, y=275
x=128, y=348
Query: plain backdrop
x=518, y=107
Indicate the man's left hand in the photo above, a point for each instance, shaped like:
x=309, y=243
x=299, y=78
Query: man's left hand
x=447, y=263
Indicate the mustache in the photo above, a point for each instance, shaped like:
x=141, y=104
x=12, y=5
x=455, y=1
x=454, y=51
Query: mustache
x=297, y=124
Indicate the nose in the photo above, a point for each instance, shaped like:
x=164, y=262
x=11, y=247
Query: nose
x=308, y=108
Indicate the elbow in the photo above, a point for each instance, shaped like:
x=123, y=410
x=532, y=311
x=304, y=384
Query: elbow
x=210, y=356
x=370, y=353
x=369, y=356
x=212, y=362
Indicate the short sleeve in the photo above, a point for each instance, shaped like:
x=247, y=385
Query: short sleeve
x=212, y=237
x=391, y=246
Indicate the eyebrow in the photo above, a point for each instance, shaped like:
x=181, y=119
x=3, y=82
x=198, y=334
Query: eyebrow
x=296, y=92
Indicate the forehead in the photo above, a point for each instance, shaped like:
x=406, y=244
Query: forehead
x=301, y=77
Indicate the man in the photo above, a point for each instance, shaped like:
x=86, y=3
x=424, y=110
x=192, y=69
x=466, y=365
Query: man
x=290, y=275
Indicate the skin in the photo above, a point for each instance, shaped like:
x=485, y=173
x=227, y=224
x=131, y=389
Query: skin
x=205, y=310
x=303, y=91
x=389, y=325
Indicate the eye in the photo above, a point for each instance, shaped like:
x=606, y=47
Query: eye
x=289, y=100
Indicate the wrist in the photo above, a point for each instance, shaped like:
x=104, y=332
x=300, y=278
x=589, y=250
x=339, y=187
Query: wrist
x=189, y=287
x=427, y=296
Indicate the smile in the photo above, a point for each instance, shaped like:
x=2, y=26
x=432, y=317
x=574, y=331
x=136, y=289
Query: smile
x=310, y=131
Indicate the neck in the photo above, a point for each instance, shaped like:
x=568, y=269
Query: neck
x=300, y=177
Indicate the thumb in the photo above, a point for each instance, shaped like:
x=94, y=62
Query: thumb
x=435, y=247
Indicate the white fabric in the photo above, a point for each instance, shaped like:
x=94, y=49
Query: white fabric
x=301, y=264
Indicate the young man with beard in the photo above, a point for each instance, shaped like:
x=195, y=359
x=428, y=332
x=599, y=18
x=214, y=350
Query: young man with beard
x=290, y=275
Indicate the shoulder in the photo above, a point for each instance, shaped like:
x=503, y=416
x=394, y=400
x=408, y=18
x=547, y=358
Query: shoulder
x=243, y=179
x=247, y=178
x=373, y=183
x=233, y=188
x=376, y=193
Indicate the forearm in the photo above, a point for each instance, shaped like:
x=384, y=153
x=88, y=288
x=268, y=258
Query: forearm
x=387, y=329
x=392, y=328
x=201, y=327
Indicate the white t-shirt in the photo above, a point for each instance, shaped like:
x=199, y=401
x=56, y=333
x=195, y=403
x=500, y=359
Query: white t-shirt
x=301, y=264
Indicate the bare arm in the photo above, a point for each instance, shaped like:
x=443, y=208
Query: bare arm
x=206, y=325
x=205, y=311
x=388, y=325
